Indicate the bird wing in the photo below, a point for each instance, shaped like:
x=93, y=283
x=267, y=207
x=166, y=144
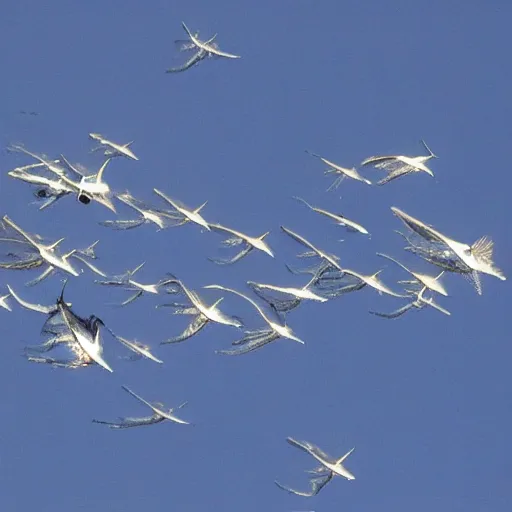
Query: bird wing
x=193, y=328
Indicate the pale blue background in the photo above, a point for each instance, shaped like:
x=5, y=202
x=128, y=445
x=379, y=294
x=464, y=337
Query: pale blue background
x=425, y=399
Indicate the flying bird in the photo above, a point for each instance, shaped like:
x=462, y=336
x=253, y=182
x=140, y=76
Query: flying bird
x=338, y=218
x=329, y=467
x=127, y=282
x=187, y=215
x=313, y=250
x=202, y=314
x=260, y=337
x=453, y=256
x=112, y=149
x=237, y=238
x=400, y=165
x=419, y=303
x=432, y=283
x=342, y=172
x=160, y=414
x=148, y=215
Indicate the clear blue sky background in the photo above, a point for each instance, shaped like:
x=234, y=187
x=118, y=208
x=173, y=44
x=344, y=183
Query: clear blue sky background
x=424, y=399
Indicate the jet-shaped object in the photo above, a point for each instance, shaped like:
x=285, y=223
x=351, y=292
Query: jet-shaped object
x=400, y=165
x=453, y=256
x=329, y=467
x=112, y=149
x=342, y=172
x=260, y=337
x=341, y=220
x=202, y=313
x=237, y=238
x=148, y=215
x=127, y=282
x=160, y=413
x=187, y=215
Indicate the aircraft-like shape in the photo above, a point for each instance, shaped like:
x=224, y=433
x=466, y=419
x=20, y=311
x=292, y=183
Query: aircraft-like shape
x=432, y=283
x=202, y=313
x=372, y=281
x=338, y=218
x=148, y=215
x=313, y=251
x=342, y=172
x=238, y=238
x=57, y=327
x=88, y=188
x=47, y=190
x=33, y=253
x=199, y=55
x=329, y=467
x=211, y=49
x=31, y=306
x=41, y=253
x=160, y=413
x=85, y=333
x=419, y=303
x=400, y=165
x=260, y=337
x=453, y=256
x=328, y=281
x=139, y=349
x=112, y=149
x=296, y=295
x=43, y=160
x=91, y=187
x=186, y=214
x=127, y=282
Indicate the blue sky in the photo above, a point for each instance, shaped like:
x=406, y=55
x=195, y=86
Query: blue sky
x=424, y=399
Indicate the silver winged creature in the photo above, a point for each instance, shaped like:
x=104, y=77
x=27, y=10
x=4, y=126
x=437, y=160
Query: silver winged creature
x=159, y=414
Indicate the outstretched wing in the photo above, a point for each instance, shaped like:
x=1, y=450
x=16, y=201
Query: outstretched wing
x=194, y=327
x=251, y=344
x=394, y=314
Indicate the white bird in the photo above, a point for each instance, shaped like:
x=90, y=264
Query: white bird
x=469, y=260
x=139, y=349
x=31, y=306
x=187, y=214
x=89, y=342
x=314, y=251
x=400, y=165
x=127, y=282
x=297, y=294
x=46, y=252
x=47, y=190
x=202, y=313
x=342, y=172
x=44, y=161
x=419, y=303
x=338, y=218
x=329, y=465
x=432, y=283
x=199, y=55
x=372, y=281
x=159, y=414
x=112, y=148
x=209, y=47
x=161, y=218
x=239, y=238
x=256, y=339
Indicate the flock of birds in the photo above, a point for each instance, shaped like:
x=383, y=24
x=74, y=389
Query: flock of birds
x=81, y=336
